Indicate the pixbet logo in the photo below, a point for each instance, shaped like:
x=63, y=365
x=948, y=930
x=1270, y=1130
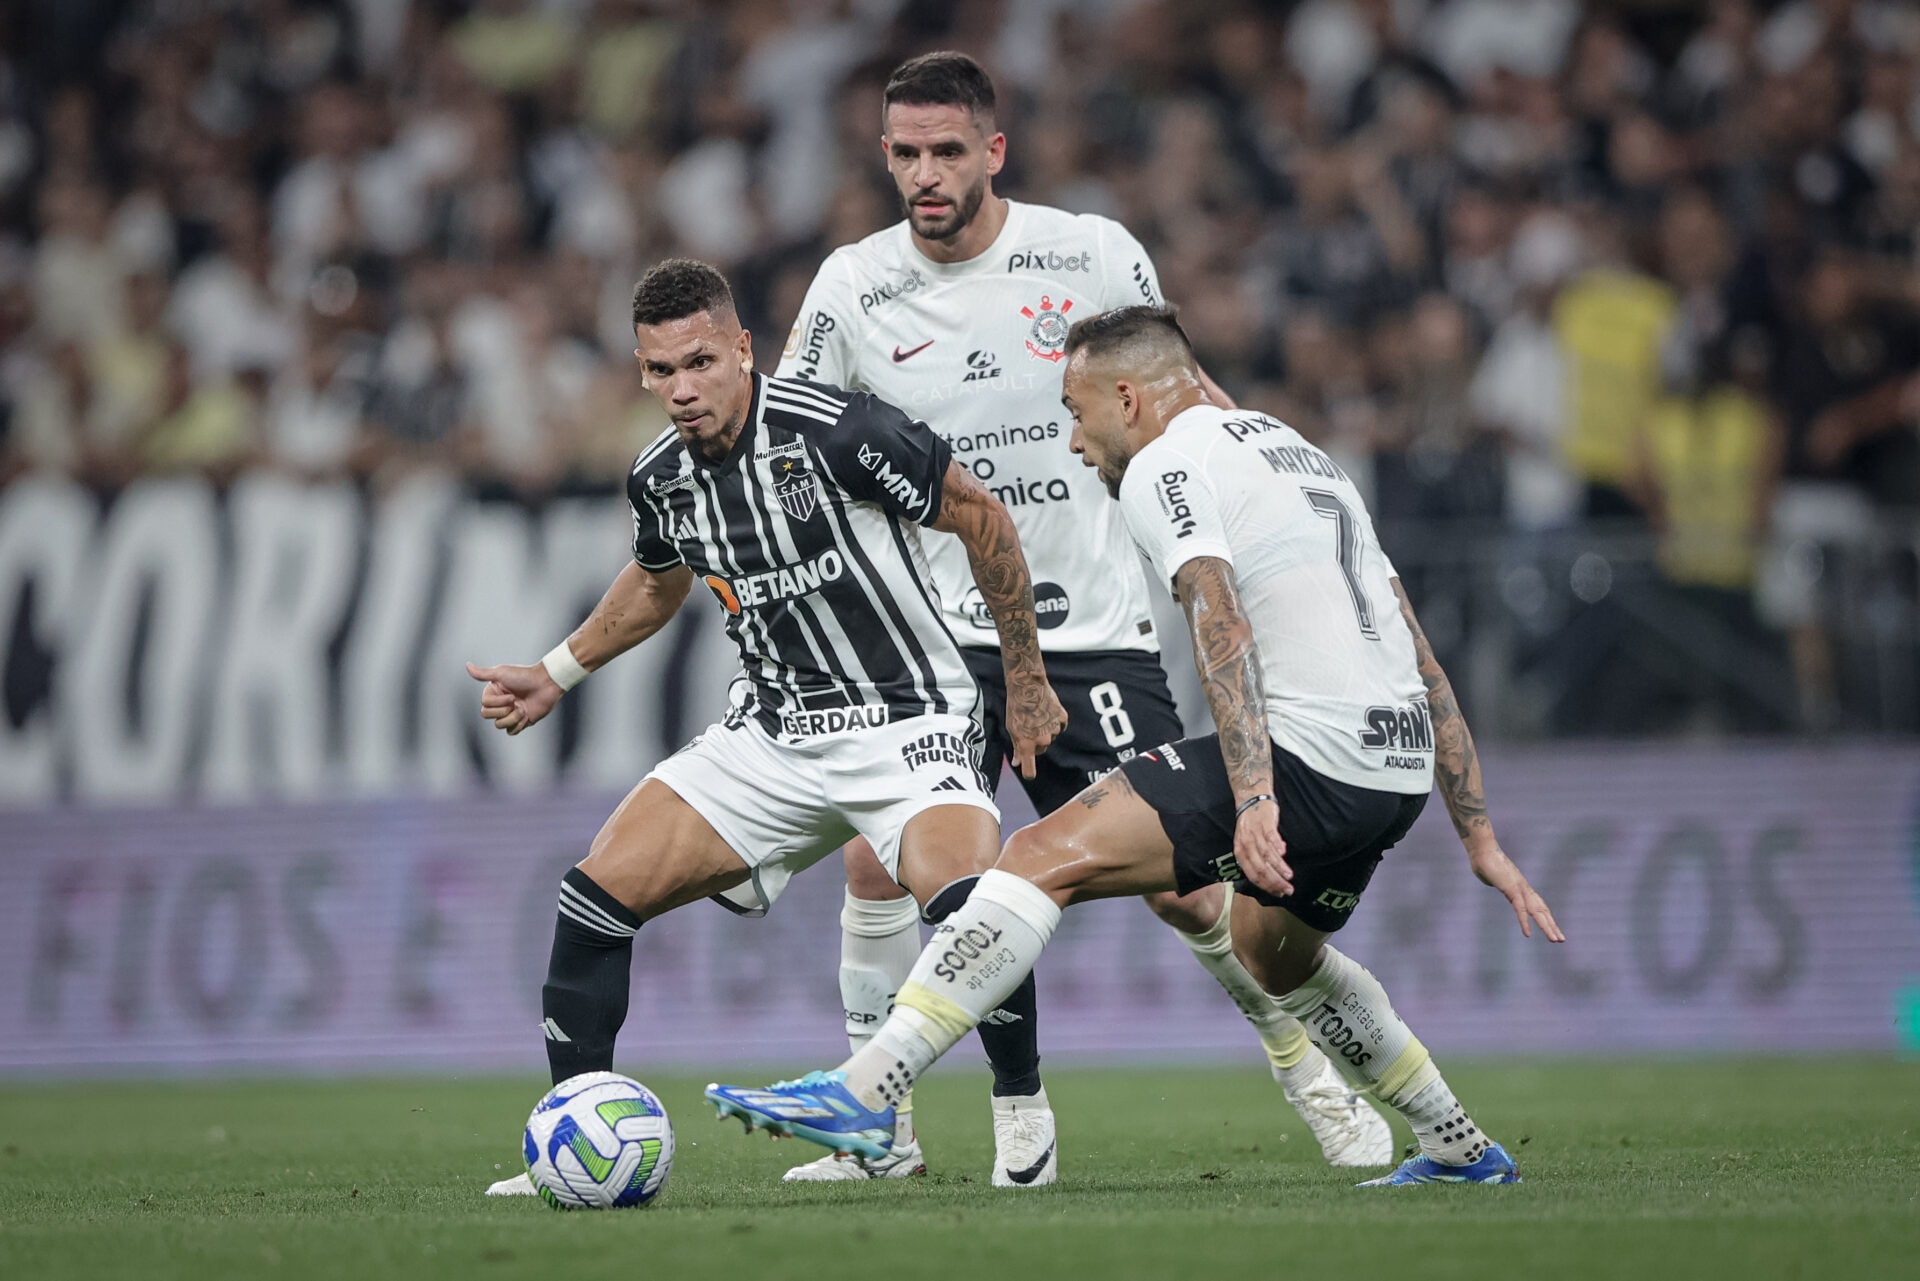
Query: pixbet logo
x=1048, y=260
x=887, y=290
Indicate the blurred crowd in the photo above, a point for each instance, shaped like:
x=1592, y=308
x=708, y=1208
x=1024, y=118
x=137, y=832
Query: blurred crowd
x=1518, y=263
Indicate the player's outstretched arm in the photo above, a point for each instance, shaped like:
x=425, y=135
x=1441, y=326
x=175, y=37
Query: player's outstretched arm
x=1229, y=666
x=1456, y=768
x=637, y=605
x=1034, y=714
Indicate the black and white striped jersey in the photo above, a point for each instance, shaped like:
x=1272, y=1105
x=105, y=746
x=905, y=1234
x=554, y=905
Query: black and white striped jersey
x=808, y=535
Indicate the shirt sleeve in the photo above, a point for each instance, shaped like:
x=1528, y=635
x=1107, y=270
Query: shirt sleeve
x=820, y=347
x=1172, y=513
x=1127, y=275
x=879, y=455
x=651, y=549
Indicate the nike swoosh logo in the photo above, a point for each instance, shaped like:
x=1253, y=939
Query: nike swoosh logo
x=1032, y=1172
x=899, y=355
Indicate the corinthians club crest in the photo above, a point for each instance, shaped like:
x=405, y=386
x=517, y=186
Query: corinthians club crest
x=797, y=490
x=1047, y=340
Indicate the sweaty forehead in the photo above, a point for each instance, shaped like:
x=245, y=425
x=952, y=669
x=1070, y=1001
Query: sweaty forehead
x=1074, y=374
x=674, y=341
x=917, y=124
x=1084, y=372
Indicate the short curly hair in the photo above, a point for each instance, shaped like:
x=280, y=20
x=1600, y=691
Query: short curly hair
x=678, y=288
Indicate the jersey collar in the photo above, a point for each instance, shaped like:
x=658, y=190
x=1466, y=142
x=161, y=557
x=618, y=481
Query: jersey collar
x=748, y=431
x=1191, y=416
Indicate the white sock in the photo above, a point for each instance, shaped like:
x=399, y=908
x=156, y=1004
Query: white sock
x=1347, y=1014
x=1446, y=1133
x=976, y=958
x=879, y=942
x=1289, y=1051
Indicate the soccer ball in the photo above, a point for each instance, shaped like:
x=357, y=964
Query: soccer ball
x=598, y=1141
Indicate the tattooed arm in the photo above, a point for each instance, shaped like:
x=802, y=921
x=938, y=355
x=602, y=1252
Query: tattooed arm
x=1034, y=714
x=1229, y=666
x=638, y=604
x=1456, y=770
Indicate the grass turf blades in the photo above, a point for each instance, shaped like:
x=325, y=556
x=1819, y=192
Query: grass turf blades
x=1710, y=1168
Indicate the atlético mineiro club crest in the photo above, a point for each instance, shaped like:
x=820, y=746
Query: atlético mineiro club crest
x=1047, y=340
x=797, y=490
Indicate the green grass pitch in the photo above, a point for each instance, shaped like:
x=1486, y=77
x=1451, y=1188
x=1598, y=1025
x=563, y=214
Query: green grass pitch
x=1642, y=1169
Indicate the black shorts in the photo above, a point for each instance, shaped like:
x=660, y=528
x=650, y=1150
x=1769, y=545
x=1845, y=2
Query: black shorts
x=1117, y=704
x=1335, y=832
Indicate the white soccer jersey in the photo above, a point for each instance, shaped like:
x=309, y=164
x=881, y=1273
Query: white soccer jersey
x=1344, y=692
x=976, y=349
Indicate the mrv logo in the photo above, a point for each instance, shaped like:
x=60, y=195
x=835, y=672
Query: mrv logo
x=1171, y=490
x=1406, y=729
x=890, y=480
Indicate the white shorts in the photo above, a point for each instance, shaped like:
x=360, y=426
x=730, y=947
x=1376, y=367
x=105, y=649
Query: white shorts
x=783, y=807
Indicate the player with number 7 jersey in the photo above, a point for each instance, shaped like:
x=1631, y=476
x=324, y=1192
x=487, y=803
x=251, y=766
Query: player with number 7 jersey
x=1355, y=713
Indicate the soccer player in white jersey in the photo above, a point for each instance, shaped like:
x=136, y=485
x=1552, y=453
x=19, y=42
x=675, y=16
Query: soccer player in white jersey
x=959, y=313
x=800, y=508
x=1333, y=721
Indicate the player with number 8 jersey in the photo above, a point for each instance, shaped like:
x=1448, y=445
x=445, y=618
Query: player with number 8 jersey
x=959, y=314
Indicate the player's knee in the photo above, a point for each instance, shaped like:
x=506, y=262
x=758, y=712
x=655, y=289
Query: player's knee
x=1189, y=913
x=866, y=878
x=1278, y=970
x=1036, y=853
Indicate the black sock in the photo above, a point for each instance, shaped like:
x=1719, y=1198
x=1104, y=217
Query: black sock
x=1009, y=1034
x=585, y=997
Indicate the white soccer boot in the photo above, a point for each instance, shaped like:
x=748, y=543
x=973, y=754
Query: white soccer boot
x=900, y=1163
x=1025, y=1150
x=518, y=1185
x=1350, y=1131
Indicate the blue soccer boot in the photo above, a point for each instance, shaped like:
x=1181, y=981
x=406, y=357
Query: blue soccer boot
x=818, y=1108
x=1494, y=1166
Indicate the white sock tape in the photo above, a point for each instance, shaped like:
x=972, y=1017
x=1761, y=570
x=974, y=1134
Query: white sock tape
x=563, y=666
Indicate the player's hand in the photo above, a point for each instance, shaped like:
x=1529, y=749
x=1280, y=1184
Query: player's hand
x=1261, y=851
x=515, y=697
x=1494, y=868
x=1034, y=718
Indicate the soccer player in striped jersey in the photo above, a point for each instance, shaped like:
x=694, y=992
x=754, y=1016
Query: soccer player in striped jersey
x=800, y=509
x=959, y=312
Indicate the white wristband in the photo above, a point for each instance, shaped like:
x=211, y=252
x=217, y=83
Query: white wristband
x=563, y=666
